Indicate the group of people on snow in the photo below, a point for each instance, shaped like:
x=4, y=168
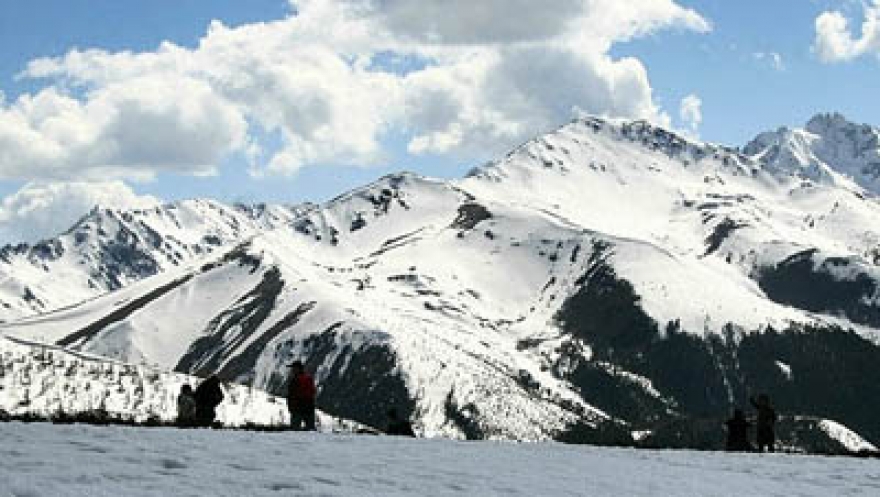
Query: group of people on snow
x=198, y=408
x=738, y=427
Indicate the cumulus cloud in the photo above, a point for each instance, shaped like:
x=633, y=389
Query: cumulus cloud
x=835, y=41
x=691, y=113
x=474, y=80
x=145, y=124
x=43, y=209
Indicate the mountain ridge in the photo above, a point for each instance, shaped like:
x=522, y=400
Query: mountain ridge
x=107, y=249
x=603, y=280
x=829, y=148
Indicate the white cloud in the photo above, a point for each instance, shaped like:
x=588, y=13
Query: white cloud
x=691, y=113
x=470, y=22
x=476, y=80
x=43, y=209
x=835, y=42
x=613, y=20
x=136, y=127
x=774, y=59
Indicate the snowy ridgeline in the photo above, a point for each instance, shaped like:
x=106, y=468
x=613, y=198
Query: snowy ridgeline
x=44, y=380
x=609, y=282
x=77, y=460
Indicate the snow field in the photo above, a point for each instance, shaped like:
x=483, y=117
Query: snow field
x=46, y=460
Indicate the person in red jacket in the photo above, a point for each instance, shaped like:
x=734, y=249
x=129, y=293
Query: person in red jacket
x=301, y=398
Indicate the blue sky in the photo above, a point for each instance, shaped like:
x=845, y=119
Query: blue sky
x=743, y=95
x=316, y=126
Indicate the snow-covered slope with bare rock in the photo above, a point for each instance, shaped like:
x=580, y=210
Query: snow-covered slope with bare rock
x=606, y=282
x=828, y=149
x=110, y=248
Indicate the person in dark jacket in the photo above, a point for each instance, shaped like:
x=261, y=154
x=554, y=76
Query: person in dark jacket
x=208, y=396
x=766, y=423
x=738, y=432
x=186, y=406
x=301, y=394
x=397, y=426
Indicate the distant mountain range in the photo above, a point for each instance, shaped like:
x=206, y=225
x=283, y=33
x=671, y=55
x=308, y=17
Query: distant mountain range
x=110, y=248
x=609, y=282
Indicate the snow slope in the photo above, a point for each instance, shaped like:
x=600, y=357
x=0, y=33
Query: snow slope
x=850, y=440
x=686, y=214
x=45, y=460
x=606, y=279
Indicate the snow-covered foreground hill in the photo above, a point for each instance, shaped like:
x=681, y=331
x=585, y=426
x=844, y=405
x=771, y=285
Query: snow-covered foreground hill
x=44, y=381
x=606, y=282
x=46, y=460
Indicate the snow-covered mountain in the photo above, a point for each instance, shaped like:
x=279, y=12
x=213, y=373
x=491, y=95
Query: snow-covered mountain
x=610, y=280
x=109, y=248
x=829, y=149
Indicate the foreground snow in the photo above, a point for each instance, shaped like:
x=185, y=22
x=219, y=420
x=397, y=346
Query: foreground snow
x=42, y=459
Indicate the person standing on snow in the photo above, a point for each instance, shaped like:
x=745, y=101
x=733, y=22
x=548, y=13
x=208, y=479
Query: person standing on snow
x=766, y=422
x=186, y=406
x=301, y=393
x=738, y=432
x=208, y=396
x=397, y=426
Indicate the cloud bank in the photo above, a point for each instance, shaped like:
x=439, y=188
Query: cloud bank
x=330, y=83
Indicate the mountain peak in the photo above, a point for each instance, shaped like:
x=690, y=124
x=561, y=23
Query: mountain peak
x=830, y=149
x=825, y=122
x=591, y=141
